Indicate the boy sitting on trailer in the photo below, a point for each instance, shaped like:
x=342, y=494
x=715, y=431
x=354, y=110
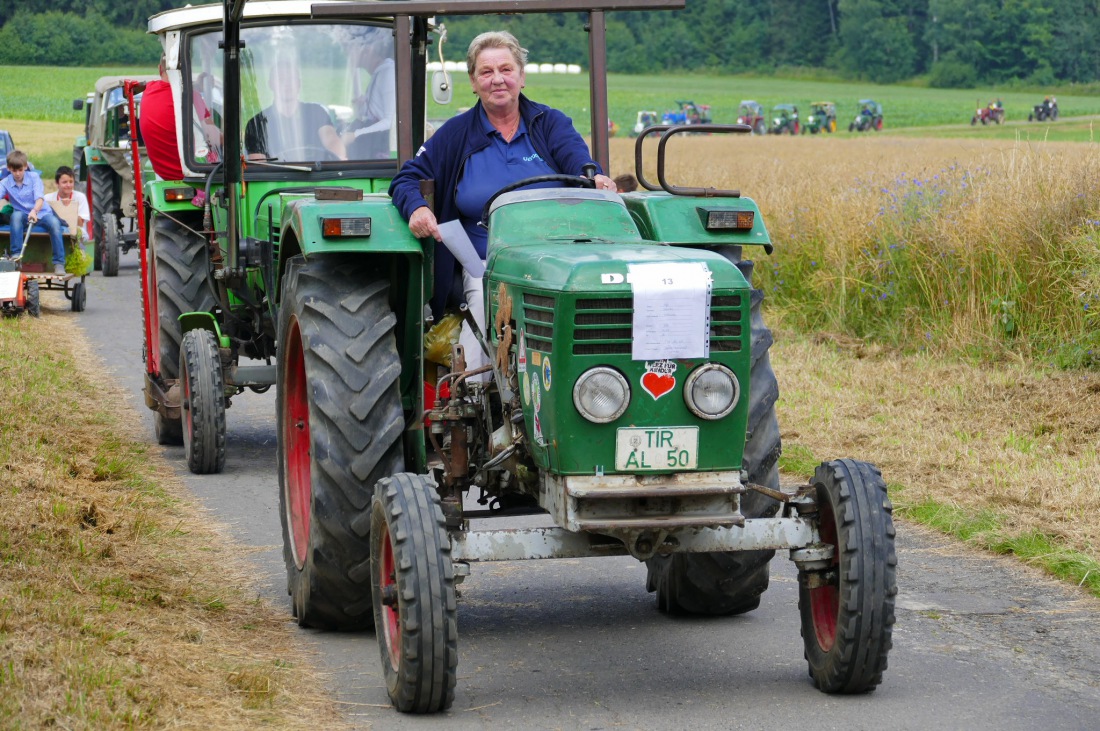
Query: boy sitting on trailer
x=24, y=191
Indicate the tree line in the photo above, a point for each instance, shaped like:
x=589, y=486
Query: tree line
x=954, y=43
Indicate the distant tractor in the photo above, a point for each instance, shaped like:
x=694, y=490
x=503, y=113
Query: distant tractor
x=784, y=120
x=869, y=117
x=993, y=112
x=822, y=118
x=645, y=120
x=752, y=114
x=102, y=157
x=689, y=113
x=1047, y=111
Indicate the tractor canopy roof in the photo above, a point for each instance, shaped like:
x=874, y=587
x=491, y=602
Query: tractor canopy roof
x=784, y=108
x=214, y=13
x=823, y=105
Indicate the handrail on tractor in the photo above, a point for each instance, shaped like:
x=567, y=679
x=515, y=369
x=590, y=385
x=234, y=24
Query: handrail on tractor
x=668, y=130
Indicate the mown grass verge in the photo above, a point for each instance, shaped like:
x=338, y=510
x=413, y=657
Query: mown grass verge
x=120, y=604
x=1003, y=457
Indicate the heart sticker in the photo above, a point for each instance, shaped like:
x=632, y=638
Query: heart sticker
x=658, y=384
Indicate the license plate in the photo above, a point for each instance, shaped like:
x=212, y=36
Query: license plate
x=657, y=448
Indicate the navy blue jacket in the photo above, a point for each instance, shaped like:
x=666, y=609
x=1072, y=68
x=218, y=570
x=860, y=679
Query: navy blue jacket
x=443, y=157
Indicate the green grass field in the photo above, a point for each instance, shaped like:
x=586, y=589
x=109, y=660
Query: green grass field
x=47, y=93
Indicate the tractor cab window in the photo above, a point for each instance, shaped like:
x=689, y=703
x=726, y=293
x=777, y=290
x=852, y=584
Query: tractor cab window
x=309, y=93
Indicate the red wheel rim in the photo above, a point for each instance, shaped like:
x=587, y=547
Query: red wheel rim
x=387, y=585
x=825, y=600
x=295, y=426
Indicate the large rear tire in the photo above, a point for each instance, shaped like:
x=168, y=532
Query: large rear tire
x=202, y=403
x=847, y=610
x=732, y=582
x=102, y=179
x=339, y=428
x=169, y=432
x=412, y=584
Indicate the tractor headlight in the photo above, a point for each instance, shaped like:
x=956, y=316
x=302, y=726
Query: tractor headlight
x=711, y=391
x=601, y=395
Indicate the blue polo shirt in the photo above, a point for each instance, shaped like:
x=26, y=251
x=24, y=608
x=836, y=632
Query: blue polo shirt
x=23, y=196
x=490, y=169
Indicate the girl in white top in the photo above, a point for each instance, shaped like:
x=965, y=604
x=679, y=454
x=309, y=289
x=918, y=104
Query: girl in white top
x=65, y=196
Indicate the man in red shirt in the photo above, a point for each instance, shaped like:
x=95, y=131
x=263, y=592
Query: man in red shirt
x=158, y=127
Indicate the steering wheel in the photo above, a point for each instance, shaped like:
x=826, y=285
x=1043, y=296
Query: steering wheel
x=305, y=153
x=573, y=181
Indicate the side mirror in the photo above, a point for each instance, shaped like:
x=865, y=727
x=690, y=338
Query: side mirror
x=78, y=104
x=442, y=90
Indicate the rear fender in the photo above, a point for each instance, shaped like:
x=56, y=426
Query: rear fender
x=388, y=233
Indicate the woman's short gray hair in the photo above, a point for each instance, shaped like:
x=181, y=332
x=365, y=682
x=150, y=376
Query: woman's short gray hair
x=495, y=39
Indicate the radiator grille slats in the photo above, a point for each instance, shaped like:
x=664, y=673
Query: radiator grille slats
x=604, y=326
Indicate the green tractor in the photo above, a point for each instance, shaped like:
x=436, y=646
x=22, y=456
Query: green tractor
x=784, y=120
x=102, y=158
x=822, y=118
x=630, y=397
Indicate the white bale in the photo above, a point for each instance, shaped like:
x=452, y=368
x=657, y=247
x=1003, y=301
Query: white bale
x=573, y=68
x=560, y=68
x=546, y=68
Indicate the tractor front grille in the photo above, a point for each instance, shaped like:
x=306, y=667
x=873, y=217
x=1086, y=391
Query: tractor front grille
x=538, y=319
x=605, y=326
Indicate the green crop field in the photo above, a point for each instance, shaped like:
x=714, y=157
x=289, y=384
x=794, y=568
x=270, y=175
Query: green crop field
x=46, y=93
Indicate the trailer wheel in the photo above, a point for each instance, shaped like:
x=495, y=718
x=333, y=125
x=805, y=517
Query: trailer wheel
x=102, y=185
x=339, y=431
x=33, y=298
x=109, y=264
x=202, y=403
x=732, y=582
x=412, y=584
x=79, y=297
x=848, y=609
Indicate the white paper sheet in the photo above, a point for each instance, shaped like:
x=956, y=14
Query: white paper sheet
x=671, y=310
x=459, y=244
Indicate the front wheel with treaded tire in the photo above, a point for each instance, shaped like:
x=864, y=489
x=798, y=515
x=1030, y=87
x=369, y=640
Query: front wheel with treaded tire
x=202, y=403
x=412, y=583
x=731, y=582
x=110, y=248
x=339, y=426
x=847, y=608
